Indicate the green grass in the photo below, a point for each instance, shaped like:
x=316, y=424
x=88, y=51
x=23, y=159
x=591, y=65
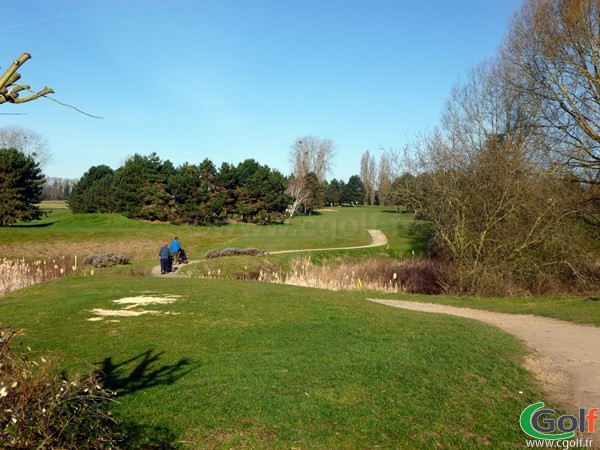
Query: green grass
x=76, y=233
x=271, y=366
x=54, y=204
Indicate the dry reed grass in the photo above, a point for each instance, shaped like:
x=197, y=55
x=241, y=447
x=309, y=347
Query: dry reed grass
x=19, y=273
x=417, y=276
x=135, y=249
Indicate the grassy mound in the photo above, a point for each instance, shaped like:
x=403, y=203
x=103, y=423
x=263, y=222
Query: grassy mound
x=216, y=363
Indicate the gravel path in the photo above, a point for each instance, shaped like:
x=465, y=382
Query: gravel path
x=565, y=356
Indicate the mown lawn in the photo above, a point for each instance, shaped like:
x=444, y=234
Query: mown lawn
x=62, y=232
x=268, y=366
x=246, y=364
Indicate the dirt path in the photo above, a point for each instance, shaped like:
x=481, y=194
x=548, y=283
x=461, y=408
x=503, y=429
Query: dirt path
x=565, y=356
x=377, y=236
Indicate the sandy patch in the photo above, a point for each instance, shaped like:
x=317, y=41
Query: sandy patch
x=120, y=312
x=129, y=303
x=134, y=302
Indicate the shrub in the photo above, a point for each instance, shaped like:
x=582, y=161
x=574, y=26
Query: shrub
x=212, y=254
x=38, y=410
x=105, y=260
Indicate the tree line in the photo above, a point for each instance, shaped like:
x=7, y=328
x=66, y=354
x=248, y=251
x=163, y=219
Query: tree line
x=148, y=188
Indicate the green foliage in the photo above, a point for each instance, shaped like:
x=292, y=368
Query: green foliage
x=232, y=364
x=334, y=192
x=150, y=189
x=21, y=182
x=193, y=190
x=354, y=191
x=139, y=188
x=260, y=194
x=316, y=192
x=93, y=193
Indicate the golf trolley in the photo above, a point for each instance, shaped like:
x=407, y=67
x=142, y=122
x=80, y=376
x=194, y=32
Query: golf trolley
x=180, y=257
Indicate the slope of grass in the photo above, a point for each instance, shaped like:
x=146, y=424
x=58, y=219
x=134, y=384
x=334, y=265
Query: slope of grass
x=237, y=364
x=65, y=233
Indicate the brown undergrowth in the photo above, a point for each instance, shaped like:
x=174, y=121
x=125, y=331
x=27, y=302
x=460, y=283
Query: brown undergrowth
x=417, y=276
x=40, y=410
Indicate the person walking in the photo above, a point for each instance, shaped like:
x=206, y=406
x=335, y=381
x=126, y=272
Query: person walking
x=175, y=246
x=176, y=250
x=165, y=254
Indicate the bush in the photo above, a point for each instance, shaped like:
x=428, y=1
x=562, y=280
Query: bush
x=212, y=254
x=105, y=260
x=38, y=410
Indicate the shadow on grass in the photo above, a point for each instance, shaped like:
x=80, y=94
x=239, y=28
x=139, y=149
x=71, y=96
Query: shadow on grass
x=147, y=372
x=135, y=374
x=34, y=225
x=398, y=211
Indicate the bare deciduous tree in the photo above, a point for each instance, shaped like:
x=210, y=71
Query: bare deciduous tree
x=554, y=48
x=298, y=189
x=312, y=154
x=498, y=211
x=27, y=141
x=368, y=175
x=384, y=179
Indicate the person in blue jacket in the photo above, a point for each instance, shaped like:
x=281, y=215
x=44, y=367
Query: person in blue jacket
x=176, y=250
x=165, y=255
x=175, y=246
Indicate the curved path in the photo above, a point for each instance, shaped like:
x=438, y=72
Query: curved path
x=566, y=358
x=378, y=239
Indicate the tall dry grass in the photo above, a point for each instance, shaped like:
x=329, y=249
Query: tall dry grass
x=19, y=273
x=417, y=276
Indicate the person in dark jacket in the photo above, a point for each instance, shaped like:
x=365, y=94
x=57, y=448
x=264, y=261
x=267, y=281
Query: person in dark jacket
x=165, y=255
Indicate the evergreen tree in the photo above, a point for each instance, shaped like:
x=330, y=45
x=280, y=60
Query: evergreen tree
x=260, y=193
x=354, y=191
x=21, y=182
x=333, y=192
x=226, y=189
x=317, y=192
x=193, y=192
x=140, y=188
x=93, y=193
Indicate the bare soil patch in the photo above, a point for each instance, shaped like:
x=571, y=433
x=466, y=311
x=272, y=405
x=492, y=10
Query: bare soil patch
x=131, y=303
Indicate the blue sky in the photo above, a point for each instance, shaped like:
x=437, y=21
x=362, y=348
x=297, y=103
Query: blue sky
x=236, y=79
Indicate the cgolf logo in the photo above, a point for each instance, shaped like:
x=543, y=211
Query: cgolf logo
x=539, y=422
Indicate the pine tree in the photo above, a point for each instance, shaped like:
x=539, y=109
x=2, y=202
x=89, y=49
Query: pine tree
x=21, y=185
